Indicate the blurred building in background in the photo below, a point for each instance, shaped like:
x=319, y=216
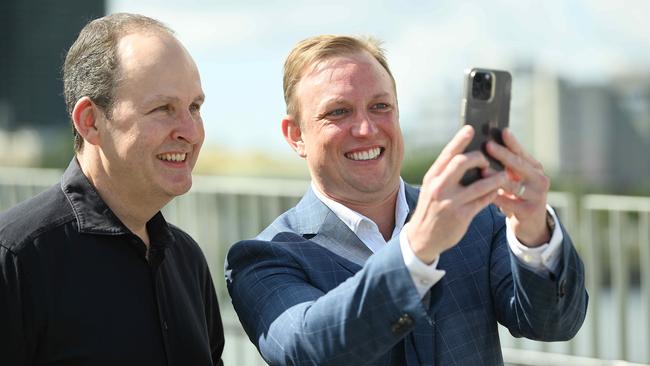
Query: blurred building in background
x=34, y=38
x=592, y=134
x=589, y=134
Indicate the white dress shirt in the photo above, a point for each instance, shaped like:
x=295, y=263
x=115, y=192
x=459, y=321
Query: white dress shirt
x=540, y=259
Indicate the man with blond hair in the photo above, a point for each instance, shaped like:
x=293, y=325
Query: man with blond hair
x=368, y=270
x=90, y=271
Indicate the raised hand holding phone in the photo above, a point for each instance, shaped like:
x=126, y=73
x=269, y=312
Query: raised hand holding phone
x=486, y=107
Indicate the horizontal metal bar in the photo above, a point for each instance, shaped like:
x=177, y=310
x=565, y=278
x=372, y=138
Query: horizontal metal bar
x=519, y=357
x=616, y=203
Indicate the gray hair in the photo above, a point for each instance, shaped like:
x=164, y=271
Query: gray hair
x=91, y=67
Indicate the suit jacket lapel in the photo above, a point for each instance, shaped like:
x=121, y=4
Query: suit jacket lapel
x=338, y=238
x=319, y=224
x=411, y=193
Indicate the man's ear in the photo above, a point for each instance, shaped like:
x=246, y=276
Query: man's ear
x=84, y=117
x=293, y=134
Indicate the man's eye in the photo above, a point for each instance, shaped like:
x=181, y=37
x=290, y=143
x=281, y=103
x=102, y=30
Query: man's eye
x=380, y=106
x=195, y=108
x=337, y=112
x=162, y=108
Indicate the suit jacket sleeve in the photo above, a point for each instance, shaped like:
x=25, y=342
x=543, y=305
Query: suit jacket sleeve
x=545, y=308
x=294, y=322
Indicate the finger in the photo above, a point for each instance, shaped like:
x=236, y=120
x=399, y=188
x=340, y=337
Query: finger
x=483, y=187
x=460, y=163
x=509, y=203
x=506, y=204
x=508, y=158
x=516, y=207
x=514, y=188
x=511, y=141
x=488, y=172
x=475, y=206
x=456, y=146
x=513, y=144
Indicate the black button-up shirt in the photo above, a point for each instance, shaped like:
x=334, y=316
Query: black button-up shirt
x=77, y=288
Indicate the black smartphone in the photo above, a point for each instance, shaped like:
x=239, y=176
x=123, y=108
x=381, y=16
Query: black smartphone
x=486, y=107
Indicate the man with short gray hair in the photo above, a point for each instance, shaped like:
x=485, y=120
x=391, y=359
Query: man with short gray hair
x=90, y=271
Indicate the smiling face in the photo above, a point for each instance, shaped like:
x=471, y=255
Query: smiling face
x=150, y=143
x=349, y=128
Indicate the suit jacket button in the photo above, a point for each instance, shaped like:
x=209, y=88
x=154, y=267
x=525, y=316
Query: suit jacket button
x=402, y=324
x=562, y=289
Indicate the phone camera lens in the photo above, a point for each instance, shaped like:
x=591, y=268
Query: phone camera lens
x=482, y=85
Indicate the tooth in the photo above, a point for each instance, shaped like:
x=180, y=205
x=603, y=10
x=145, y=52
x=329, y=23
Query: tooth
x=172, y=157
x=363, y=155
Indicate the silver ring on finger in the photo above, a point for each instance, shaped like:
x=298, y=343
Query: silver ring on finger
x=522, y=189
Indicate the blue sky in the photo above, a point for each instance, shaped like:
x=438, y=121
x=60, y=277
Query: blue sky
x=240, y=47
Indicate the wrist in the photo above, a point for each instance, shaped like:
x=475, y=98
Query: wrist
x=541, y=237
x=427, y=254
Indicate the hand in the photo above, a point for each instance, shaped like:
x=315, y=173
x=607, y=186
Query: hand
x=445, y=207
x=523, y=196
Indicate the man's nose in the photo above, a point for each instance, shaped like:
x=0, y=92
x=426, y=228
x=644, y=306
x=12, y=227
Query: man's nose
x=189, y=128
x=364, y=126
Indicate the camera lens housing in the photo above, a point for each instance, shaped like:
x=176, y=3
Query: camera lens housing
x=482, y=85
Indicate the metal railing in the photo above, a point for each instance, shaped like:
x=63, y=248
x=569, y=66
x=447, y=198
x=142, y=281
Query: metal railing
x=519, y=357
x=611, y=233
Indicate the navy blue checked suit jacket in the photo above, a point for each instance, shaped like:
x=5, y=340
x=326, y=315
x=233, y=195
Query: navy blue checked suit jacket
x=309, y=292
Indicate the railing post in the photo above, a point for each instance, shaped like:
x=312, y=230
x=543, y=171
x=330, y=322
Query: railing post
x=618, y=257
x=644, y=263
x=593, y=273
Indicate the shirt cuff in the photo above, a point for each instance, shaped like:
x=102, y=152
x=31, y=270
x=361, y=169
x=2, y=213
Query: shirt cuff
x=424, y=275
x=540, y=259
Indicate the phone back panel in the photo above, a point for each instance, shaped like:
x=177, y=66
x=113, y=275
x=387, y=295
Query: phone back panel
x=488, y=117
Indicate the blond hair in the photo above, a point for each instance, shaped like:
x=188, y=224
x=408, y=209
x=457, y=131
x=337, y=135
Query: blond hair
x=319, y=48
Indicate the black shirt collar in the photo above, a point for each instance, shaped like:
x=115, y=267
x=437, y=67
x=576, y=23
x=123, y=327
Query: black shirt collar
x=95, y=217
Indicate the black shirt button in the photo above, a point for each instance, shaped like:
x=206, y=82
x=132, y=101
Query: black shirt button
x=402, y=324
x=165, y=325
x=562, y=289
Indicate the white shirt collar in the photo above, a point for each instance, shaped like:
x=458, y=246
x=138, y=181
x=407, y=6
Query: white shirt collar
x=366, y=229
